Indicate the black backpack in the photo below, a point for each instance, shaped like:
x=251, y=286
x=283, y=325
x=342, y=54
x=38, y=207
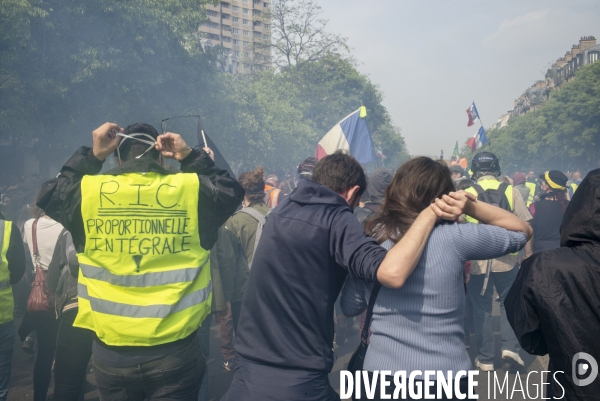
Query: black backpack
x=496, y=197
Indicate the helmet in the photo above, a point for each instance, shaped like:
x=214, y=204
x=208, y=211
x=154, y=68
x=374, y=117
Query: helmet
x=485, y=161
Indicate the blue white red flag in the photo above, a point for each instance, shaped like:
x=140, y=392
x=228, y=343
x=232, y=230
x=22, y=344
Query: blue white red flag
x=352, y=135
x=478, y=140
x=473, y=114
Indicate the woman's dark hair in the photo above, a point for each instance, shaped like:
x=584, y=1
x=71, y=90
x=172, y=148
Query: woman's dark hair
x=416, y=184
x=340, y=172
x=254, y=184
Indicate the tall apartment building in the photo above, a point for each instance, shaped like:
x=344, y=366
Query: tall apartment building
x=563, y=70
x=243, y=28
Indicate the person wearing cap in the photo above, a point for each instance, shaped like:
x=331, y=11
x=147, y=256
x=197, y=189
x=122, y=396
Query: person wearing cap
x=306, y=168
x=496, y=273
x=548, y=211
x=143, y=235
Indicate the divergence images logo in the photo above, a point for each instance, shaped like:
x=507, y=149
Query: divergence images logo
x=584, y=364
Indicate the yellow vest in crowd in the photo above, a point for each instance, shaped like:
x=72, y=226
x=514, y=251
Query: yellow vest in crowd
x=144, y=279
x=6, y=296
x=532, y=187
x=492, y=183
x=574, y=187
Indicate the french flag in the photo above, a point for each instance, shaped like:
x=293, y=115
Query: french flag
x=473, y=114
x=352, y=135
x=478, y=140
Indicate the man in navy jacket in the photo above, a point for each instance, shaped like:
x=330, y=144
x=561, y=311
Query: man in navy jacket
x=309, y=244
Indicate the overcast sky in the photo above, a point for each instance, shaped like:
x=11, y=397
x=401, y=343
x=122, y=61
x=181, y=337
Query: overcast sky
x=431, y=59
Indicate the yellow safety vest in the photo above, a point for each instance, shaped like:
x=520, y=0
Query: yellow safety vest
x=144, y=279
x=532, y=187
x=492, y=183
x=574, y=187
x=6, y=296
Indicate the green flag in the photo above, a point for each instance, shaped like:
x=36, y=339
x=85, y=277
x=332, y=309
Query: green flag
x=456, y=151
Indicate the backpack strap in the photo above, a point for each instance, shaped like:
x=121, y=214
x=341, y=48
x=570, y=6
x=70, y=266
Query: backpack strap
x=255, y=214
x=262, y=219
x=502, y=189
x=481, y=194
x=36, y=252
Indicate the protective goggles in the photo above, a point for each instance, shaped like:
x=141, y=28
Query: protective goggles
x=135, y=136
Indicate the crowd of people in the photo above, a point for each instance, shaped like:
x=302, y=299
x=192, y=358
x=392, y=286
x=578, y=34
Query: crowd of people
x=131, y=266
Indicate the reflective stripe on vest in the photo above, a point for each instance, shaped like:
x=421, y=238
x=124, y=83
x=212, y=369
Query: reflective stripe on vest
x=149, y=311
x=6, y=296
x=144, y=279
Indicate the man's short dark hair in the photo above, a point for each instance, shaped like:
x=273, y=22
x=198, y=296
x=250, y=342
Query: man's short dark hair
x=131, y=148
x=340, y=172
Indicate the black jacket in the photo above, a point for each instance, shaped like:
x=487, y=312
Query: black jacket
x=554, y=303
x=308, y=246
x=219, y=196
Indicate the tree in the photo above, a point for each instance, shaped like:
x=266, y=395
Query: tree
x=299, y=36
x=564, y=134
x=69, y=66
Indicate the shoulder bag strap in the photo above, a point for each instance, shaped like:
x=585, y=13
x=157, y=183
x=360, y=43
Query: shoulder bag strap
x=365, y=332
x=36, y=252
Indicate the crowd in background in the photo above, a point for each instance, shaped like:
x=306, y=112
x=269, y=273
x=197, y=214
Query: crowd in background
x=466, y=265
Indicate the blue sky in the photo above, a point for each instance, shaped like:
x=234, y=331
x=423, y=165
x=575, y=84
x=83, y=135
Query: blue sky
x=431, y=59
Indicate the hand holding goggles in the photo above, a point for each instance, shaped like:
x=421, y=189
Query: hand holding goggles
x=135, y=136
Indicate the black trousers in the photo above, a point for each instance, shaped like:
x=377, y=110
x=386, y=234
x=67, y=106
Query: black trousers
x=46, y=328
x=173, y=377
x=236, y=308
x=390, y=390
x=73, y=351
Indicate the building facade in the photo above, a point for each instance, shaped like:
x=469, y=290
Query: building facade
x=563, y=70
x=243, y=29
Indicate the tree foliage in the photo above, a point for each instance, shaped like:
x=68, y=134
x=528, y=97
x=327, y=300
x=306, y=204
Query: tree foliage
x=564, y=134
x=67, y=67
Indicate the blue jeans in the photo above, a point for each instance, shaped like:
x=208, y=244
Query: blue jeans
x=482, y=313
x=7, y=341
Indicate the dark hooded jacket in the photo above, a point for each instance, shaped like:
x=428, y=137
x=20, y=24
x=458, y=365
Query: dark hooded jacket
x=554, y=304
x=308, y=246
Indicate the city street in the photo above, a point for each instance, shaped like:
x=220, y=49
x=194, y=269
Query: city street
x=219, y=378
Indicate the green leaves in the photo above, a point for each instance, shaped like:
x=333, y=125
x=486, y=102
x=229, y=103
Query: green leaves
x=563, y=134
